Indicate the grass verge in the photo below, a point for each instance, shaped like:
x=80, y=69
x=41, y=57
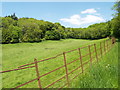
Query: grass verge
x=101, y=75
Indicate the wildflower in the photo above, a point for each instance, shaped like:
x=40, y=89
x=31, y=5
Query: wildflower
x=108, y=66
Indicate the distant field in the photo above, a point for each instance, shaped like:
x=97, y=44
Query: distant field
x=22, y=53
x=18, y=54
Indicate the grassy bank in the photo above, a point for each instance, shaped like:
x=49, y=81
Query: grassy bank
x=103, y=74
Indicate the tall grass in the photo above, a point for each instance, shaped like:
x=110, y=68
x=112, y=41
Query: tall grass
x=101, y=75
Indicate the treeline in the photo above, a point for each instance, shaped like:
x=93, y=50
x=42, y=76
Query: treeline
x=95, y=31
x=15, y=30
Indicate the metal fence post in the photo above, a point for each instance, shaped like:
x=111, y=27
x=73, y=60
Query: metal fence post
x=80, y=59
x=115, y=40
x=101, y=48
x=66, y=69
x=104, y=47
x=96, y=52
x=90, y=55
x=37, y=73
x=111, y=43
x=107, y=45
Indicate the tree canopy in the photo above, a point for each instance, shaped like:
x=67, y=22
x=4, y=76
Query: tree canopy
x=115, y=22
x=15, y=30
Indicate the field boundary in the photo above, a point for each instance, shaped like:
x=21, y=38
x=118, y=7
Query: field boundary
x=105, y=46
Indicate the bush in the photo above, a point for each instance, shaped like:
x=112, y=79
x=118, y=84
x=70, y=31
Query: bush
x=52, y=35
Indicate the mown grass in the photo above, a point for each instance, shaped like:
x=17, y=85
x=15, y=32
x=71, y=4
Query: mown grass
x=15, y=55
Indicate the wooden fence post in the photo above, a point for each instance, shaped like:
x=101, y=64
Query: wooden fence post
x=66, y=69
x=90, y=55
x=80, y=59
x=37, y=73
x=96, y=52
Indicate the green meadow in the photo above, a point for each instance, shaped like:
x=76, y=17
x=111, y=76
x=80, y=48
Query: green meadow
x=100, y=75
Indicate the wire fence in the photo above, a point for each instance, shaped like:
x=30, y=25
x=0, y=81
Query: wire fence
x=67, y=65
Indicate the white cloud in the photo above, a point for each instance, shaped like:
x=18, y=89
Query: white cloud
x=78, y=20
x=73, y=19
x=92, y=19
x=92, y=10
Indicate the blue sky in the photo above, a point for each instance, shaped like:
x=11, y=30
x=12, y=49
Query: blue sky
x=69, y=14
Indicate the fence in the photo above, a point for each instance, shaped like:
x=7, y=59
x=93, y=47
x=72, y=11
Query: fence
x=83, y=61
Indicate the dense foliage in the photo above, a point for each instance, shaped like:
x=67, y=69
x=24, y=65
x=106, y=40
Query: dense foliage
x=115, y=22
x=95, y=31
x=15, y=30
x=29, y=30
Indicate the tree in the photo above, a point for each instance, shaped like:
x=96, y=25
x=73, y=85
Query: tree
x=13, y=16
x=115, y=22
x=52, y=35
x=15, y=34
x=7, y=21
x=31, y=31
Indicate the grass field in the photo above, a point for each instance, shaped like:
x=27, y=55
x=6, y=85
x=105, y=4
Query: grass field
x=18, y=54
